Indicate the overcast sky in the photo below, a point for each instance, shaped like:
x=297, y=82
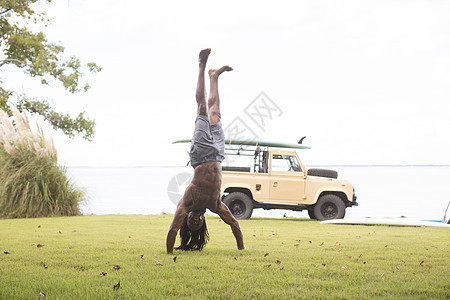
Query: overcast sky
x=366, y=81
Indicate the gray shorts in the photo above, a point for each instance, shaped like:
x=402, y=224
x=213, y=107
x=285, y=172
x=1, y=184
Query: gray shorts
x=208, y=142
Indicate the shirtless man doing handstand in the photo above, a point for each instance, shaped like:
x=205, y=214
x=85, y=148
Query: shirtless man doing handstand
x=207, y=152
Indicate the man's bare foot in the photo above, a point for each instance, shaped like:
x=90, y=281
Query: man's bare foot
x=203, y=56
x=217, y=72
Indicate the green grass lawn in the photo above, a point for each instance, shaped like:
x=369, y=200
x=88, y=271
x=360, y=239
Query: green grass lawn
x=77, y=258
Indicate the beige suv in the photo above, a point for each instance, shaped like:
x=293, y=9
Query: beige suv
x=277, y=179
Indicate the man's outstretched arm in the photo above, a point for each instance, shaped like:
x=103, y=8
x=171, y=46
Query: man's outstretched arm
x=174, y=227
x=228, y=218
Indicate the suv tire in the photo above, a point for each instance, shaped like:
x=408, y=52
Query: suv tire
x=329, y=207
x=240, y=205
x=323, y=173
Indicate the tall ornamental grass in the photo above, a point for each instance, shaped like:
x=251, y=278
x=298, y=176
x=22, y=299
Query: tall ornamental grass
x=32, y=184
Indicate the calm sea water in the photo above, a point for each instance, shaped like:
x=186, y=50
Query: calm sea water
x=413, y=191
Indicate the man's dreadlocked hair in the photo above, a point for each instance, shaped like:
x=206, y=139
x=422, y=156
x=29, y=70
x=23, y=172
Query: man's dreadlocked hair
x=193, y=240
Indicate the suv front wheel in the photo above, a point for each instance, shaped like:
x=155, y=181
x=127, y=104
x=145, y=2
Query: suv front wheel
x=329, y=207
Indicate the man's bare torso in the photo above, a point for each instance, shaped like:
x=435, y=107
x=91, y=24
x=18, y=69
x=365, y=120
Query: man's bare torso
x=205, y=187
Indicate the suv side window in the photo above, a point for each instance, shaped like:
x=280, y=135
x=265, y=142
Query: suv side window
x=285, y=163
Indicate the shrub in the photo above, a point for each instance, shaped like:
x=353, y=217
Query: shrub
x=32, y=184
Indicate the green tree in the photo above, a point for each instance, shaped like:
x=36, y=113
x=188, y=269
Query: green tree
x=24, y=47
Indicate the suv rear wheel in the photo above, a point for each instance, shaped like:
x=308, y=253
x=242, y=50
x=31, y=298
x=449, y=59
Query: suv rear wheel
x=329, y=207
x=240, y=205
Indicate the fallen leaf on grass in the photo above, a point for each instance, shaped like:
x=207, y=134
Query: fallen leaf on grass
x=59, y=232
x=117, y=286
x=103, y=274
x=266, y=254
x=7, y=252
x=116, y=267
x=360, y=256
x=421, y=263
x=158, y=263
x=175, y=259
x=321, y=244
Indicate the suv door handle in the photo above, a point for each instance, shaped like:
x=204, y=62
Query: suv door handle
x=275, y=184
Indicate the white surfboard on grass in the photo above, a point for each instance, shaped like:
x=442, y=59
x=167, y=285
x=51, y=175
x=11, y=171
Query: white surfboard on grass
x=387, y=221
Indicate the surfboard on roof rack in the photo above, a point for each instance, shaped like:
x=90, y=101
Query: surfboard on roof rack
x=255, y=143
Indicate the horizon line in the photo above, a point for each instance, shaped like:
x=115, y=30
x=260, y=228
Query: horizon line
x=312, y=165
